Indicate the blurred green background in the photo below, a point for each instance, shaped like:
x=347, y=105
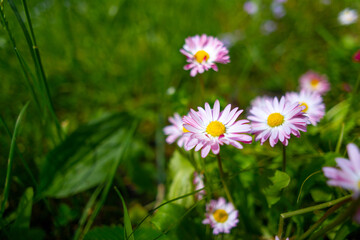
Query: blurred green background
x=121, y=57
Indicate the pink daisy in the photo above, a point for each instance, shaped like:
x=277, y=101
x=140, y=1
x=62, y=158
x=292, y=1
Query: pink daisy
x=209, y=128
x=221, y=216
x=356, y=56
x=348, y=176
x=313, y=102
x=198, y=181
x=260, y=101
x=202, y=52
x=277, y=120
x=176, y=131
x=312, y=81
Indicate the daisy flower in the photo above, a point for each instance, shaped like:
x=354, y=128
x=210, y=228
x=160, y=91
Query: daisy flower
x=251, y=7
x=277, y=120
x=312, y=81
x=347, y=16
x=176, y=131
x=202, y=52
x=348, y=176
x=198, y=181
x=260, y=101
x=221, y=216
x=314, y=106
x=209, y=128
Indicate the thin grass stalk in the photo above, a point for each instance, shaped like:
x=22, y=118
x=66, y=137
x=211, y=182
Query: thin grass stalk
x=27, y=168
x=35, y=54
x=23, y=65
x=109, y=182
x=222, y=178
x=87, y=211
x=11, y=160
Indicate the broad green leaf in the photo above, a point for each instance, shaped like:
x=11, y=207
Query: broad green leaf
x=82, y=161
x=276, y=182
x=182, y=172
x=105, y=233
x=168, y=216
x=128, y=234
x=149, y=233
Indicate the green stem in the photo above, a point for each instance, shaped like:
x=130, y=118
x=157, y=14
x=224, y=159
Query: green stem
x=10, y=160
x=222, y=178
x=307, y=210
x=323, y=218
x=340, y=219
x=202, y=89
x=284, y=159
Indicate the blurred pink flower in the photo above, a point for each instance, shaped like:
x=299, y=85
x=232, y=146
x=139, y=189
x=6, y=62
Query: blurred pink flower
x=176, y=131
x=277, y=120
x=221, y=216
x=202, y=52
x=198, y=181
x=312, y=81
x=209, y=128
x=277, y=238
x=313, y=102
x=348, y=176
x=251, y=7
x=356, y=57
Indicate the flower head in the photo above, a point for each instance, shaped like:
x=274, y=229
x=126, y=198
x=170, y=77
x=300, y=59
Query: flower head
x=176, y=131
x=260, y=101
x=202, y=52
x=221, y=216
x=314, y=106
x=348, y=176
x=251, y=7
x=209, y=128
x=277, y=120
x=312, y=81
x=198, y=181
x=347, y=16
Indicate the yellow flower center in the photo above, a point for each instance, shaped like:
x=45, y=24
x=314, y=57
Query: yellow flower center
x=185, y=130
x=275, y=119
x=359, y=184
x=306, y=106
x=220, y=215
x=201, y=55
x=215, y=128
x=314, y=82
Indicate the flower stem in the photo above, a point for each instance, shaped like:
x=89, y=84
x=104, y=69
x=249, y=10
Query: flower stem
x=223, y=180
x=341, y=218
x=323, y=218
x=202, y=89
x=307, y=210
x=284, y=159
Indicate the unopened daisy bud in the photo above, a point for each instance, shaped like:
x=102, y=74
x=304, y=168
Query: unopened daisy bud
x=203, y=52
x=221, y=216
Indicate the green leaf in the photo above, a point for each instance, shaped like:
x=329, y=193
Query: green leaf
x=276, y=183
x=319, y=195
x=82, y=161
x=128, y=234
x=24, y=210
x=105, y=233
x=167, y=216
x=182, y=172
x=149, y=233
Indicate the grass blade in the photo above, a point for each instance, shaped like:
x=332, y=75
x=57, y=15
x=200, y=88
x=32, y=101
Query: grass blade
x=10, y=160
x=128, y=232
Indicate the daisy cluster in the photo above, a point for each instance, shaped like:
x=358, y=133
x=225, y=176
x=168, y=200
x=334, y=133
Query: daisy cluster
x=271, y=119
